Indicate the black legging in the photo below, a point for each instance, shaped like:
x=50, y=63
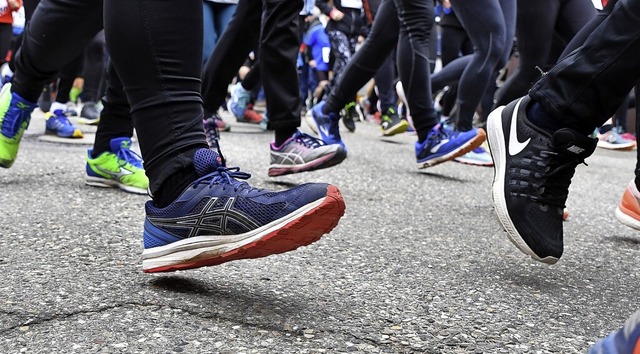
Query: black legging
x=537, y=24
x=39, y=60
x=491, y=26
x=278, y=47
x=412, y=39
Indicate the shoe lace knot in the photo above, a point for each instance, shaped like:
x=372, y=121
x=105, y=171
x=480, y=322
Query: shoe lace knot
x=308, y=140
x=128, y=156
x=226, y=177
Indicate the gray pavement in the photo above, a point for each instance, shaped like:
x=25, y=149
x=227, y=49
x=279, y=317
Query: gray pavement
x=418, y=264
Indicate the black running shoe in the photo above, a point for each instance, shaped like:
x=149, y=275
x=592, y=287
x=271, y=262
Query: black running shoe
x=350, y=115
x=392, y=124
x=533, y=171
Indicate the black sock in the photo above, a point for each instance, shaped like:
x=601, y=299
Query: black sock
x=173, y=186
x=542, y=119
x=423, y=133
x=283, y=134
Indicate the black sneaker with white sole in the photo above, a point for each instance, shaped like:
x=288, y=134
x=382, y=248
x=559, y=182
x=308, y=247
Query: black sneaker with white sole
x=533, y=171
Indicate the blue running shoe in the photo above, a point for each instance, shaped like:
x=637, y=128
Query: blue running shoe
x=15, y=115
x=325, y=125
x=58, y=124
x=240, y=98
x=626, y=340
x=444, y=145
x=219, y=219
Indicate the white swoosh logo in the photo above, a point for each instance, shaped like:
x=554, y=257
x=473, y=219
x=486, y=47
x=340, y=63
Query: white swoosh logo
x=515, y=146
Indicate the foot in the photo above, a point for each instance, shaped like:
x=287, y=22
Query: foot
x=250, y=116
x=533, y=171
x=212, y=126
x=444, y=145
x=628, y=210
x=477, y=157
x=240, y=98
x=219, y=219
x=325, y=125
x=58, y=124
x=625, y=340
x=392, y=124
x=90, y=113
x=613, y=141
x=15, y=114
x=302, y=153
x=120, y=167
x=350, y=116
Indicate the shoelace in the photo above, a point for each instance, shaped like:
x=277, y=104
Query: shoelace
x=308, y=140
x=226, y=176
x=129, y=156
x=555, y=173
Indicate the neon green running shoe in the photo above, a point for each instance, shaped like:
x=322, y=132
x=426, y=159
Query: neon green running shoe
x=15, y=114
x=120, y=167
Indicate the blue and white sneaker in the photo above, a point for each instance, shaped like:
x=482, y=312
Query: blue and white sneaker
x=443, y=145
x=58, y=124
x=325, y=125
x=240, y=98
x=477, y=157
x=625, y=340
x=219, y=219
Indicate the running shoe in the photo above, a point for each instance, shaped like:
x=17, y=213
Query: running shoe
x=211, y=132
x=120, y=167
x=532, y=174
x=325, y=125
x=240, y=98
x=628, y=210
x=6, y=74
x=392, y=124
x=220, y=218
x=90, y=113
x=15, y=114
x=477, y=157
x=58, y=124
x=350, y=116
x=250, y=116
x=302, y=153
x=443, y=145
x=625, y=340
x=613, y=141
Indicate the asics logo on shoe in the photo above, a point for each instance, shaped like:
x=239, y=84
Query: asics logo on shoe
x=211, y=220
x=115, y=175
x=515, y=146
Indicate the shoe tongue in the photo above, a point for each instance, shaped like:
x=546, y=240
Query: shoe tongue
x=118, y=144
x=206, y=161
x=571, y=143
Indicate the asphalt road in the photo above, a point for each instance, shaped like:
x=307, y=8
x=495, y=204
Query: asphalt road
x=418, y=264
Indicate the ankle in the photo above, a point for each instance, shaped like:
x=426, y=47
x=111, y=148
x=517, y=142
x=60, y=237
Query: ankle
x=173, y=186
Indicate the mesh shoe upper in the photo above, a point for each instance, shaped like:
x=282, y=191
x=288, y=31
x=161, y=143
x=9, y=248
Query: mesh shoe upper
x=15, y=115
x=326, y=125
x=58, y=123
x=303, y=152
x=120, y=167
x=221, y=203
x=533, y=174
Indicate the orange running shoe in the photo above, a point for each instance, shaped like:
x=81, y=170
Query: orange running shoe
x=628, y=210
